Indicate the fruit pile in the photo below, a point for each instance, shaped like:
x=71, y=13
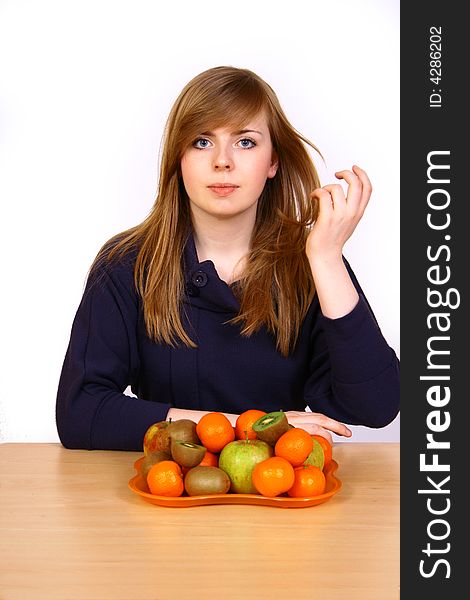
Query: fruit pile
x=263, y=454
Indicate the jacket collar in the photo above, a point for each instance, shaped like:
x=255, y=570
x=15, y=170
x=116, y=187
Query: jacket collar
x=204, y=288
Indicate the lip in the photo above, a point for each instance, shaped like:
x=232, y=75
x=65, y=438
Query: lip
x=223, y=189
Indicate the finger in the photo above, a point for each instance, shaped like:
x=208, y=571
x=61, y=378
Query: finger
x=315, y=429
x=355, y=188
x=348, y=176
x=336, y=190
x=337, y=194
x=331, y=424
x=366, y=185
x=325, y=422
x=319, y=430
x=325, y=201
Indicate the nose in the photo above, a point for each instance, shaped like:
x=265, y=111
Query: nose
x=223, y=160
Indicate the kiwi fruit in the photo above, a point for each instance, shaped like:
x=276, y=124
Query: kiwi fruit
x=206, y=480
x=151, y=459
x=186, y=454
x=183, y=430
x=271, y=426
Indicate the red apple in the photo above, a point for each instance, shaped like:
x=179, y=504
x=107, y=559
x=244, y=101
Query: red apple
x=239, y=458
x=157, y=438
x=159, y=435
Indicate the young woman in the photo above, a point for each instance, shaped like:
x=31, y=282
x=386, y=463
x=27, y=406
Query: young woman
x=234, y=292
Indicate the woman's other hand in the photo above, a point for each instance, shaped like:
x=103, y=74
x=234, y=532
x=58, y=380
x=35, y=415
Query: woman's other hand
x=317, y=424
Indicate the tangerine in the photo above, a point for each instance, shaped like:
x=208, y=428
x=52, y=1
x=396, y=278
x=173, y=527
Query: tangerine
x=244, y=424
x=273, y=476
x=294, y=445
x=165, y=479
x=327, y=448
x=309, y=481
x=209, y=460
x=215, y=431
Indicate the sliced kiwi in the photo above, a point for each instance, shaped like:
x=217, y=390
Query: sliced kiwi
x=271, y=426
x=206, y=480
x=186, y=454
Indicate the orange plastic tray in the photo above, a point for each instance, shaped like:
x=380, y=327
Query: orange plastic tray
x=138, y=485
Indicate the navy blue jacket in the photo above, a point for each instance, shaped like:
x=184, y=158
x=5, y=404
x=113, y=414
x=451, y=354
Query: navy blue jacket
x=340, y=367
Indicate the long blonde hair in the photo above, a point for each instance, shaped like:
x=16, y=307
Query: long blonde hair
x=277, y=286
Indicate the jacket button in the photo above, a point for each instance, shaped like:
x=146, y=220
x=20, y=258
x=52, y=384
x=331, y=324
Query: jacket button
x=199, y=279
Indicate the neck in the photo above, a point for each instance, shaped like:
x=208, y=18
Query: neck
x=226, y=242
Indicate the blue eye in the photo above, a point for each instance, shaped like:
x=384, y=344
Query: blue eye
x=201, y=143
x=247, y=143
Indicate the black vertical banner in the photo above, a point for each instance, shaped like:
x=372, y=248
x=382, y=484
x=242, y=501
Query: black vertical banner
x=435, y=357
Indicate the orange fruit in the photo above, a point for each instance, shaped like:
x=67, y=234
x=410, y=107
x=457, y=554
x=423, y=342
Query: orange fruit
x=165, y=479
x=273, y=476
x=294, y=445
x=309, y=481
x=245, y=424
x=215, y=431
x=209, y=460
x=327, y=448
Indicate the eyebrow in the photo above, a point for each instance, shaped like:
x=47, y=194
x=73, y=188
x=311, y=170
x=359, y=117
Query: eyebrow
x=239, y=132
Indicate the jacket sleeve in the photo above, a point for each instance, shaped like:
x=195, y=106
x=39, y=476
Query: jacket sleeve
x=354, y=374
x=102, y=359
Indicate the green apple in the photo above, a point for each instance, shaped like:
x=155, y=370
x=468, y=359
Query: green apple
x=316, y=456
x=239, y=458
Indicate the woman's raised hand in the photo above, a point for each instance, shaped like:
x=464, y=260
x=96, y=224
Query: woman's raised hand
x=338, y=214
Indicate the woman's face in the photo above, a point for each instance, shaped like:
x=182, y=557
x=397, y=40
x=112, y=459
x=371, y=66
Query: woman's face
x=224, y=171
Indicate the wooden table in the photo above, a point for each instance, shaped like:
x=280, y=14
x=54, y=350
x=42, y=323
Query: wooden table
x=70, y=529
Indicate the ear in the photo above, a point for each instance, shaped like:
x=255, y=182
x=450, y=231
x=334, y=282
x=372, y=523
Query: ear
x=274, y=165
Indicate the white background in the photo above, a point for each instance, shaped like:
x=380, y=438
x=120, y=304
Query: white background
x=85, y=89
